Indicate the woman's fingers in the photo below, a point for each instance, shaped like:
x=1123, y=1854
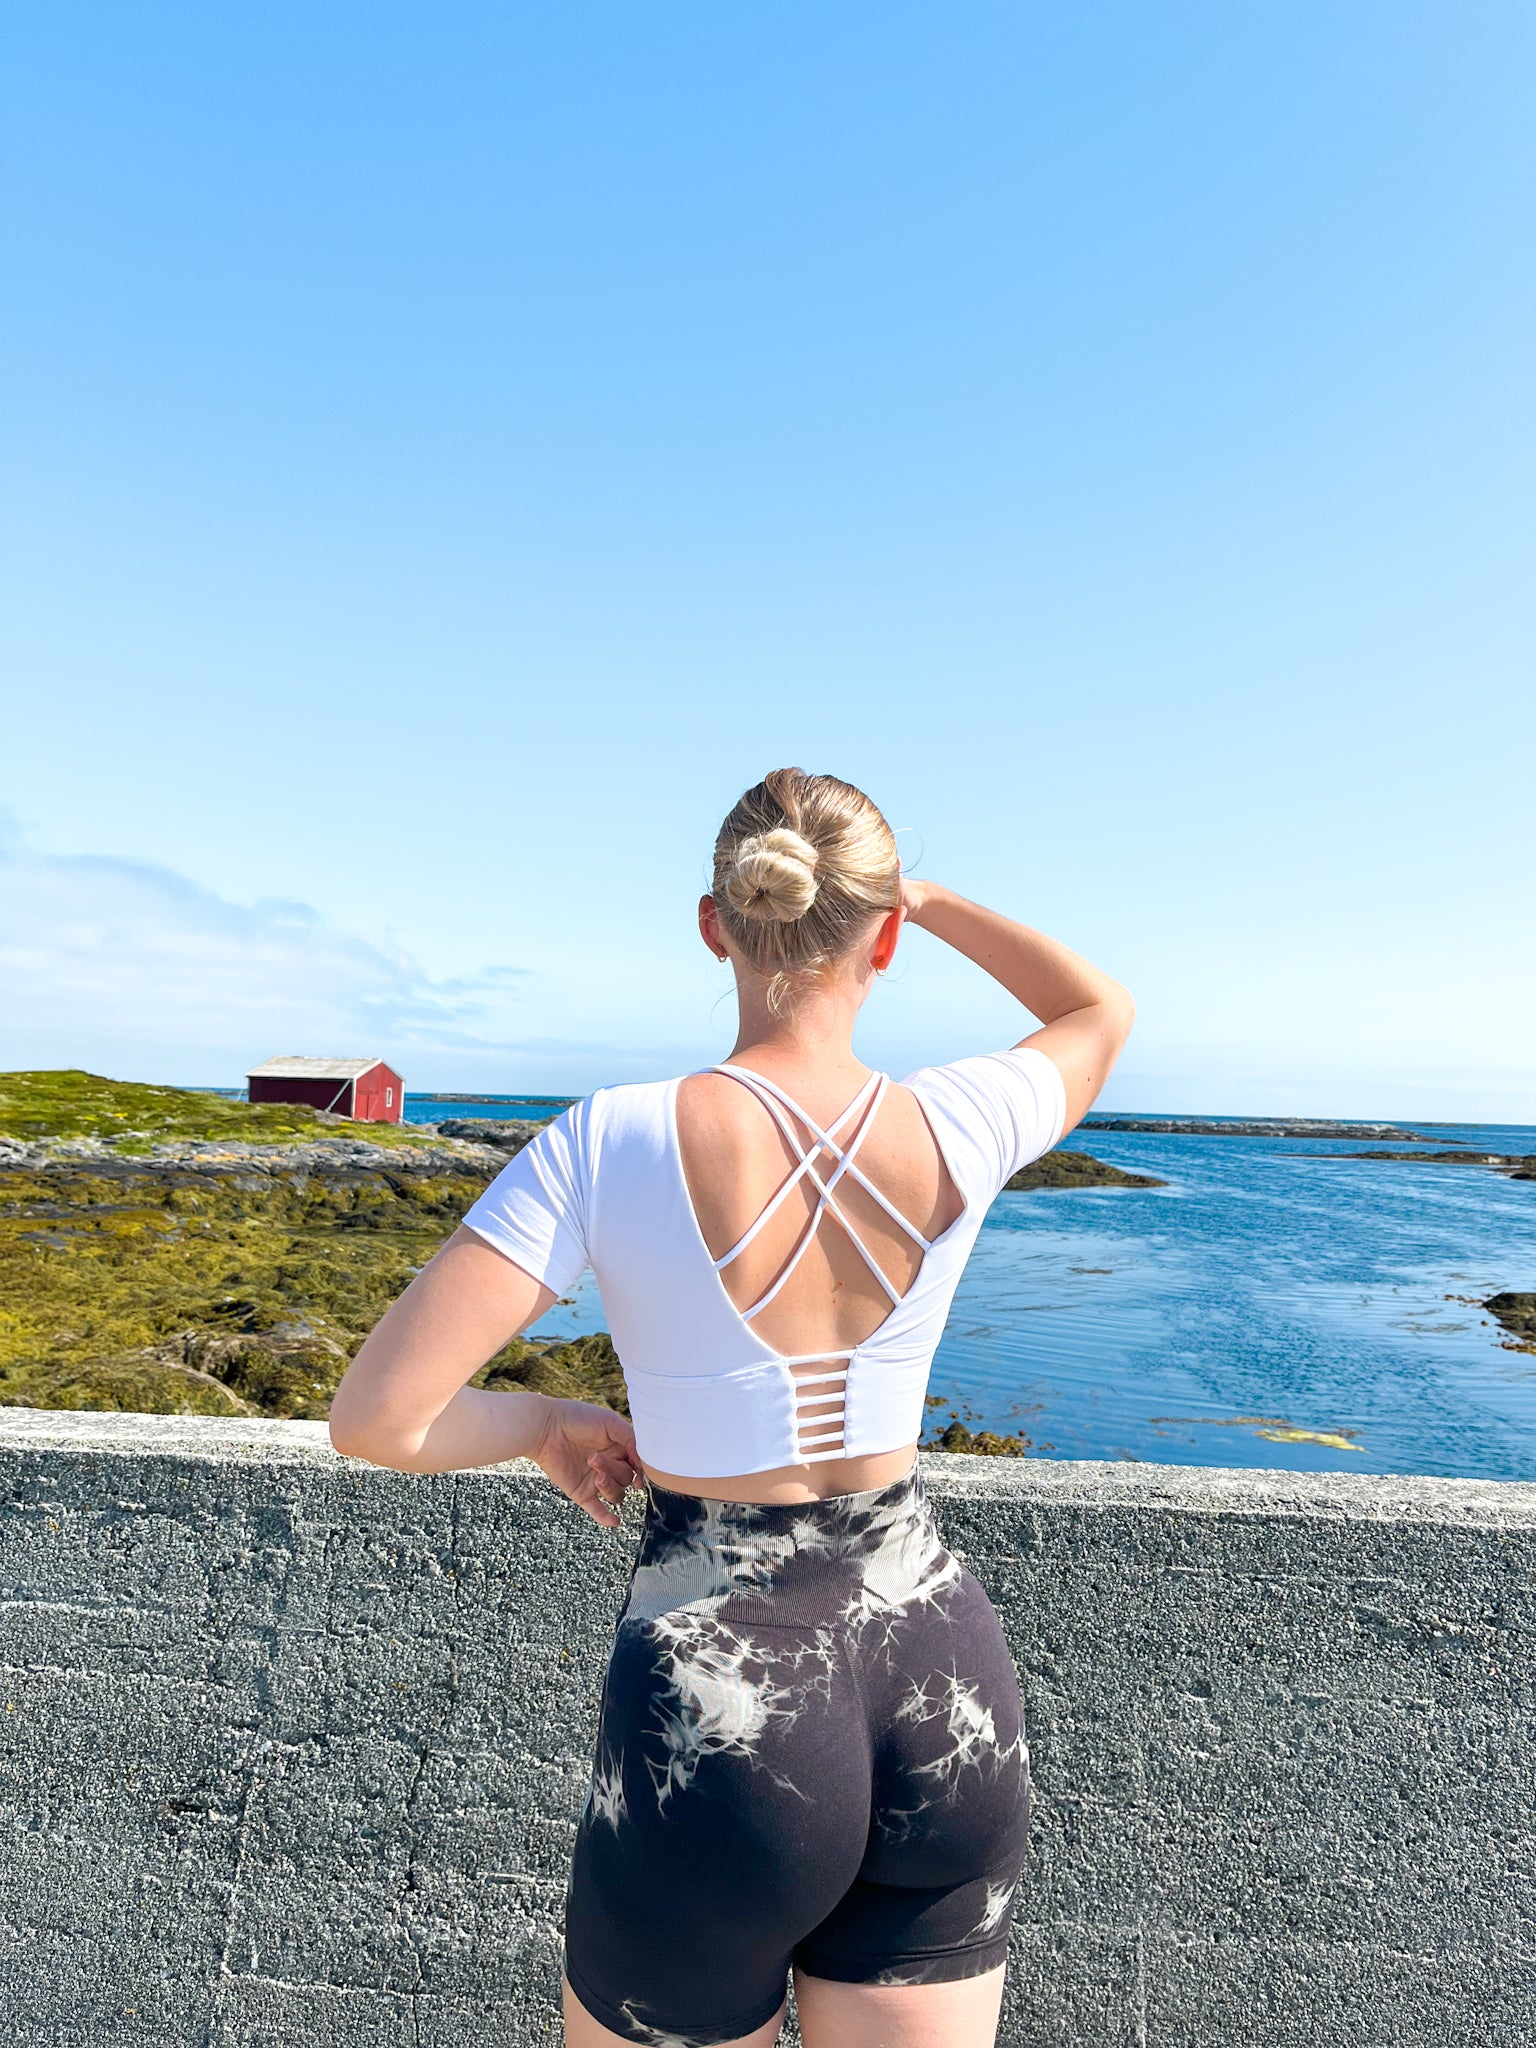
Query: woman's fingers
x=589, y=1495
x=615, y=1474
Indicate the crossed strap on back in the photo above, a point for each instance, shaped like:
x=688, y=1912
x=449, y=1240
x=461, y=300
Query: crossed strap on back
x=861, y=1112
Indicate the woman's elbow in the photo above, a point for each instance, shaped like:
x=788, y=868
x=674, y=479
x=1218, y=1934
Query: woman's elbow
x=357, y=1433
x=349, y=1438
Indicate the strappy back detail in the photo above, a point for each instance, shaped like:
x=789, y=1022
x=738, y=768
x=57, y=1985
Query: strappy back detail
x=819, y=1433
x=861, y=1111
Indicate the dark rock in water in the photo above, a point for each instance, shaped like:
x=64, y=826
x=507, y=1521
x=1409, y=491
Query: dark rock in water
x=1517, y=1312
x=507, y=1134
x=1076, y=1170
x=1518, y=1165
x=1244, y=1127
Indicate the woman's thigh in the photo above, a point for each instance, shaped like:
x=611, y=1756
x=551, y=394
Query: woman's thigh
x=957, y=2015
x=582, y=2031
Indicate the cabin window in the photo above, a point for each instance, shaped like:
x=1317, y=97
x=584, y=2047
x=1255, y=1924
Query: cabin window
x=389, y=1098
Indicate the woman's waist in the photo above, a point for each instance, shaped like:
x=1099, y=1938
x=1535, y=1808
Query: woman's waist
x=839, y=1558
x=790, y=1484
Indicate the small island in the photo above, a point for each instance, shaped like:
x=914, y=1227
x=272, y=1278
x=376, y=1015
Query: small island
x=1246, y=1127
x=1516, y=1165
x=1075, y=1170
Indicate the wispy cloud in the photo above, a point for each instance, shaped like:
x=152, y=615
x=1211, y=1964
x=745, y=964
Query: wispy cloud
x=118, y=964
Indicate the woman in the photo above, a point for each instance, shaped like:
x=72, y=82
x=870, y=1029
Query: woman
x=810, y=1754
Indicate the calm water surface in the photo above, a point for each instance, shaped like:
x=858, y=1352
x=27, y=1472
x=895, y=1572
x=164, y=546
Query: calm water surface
x=1274, y=1283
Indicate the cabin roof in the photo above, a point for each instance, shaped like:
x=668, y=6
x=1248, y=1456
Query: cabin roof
x=293, y=1068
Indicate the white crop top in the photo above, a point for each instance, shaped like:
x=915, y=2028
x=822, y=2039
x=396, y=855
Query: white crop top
x=603, y=1185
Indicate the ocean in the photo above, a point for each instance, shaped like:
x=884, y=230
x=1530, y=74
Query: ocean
x=1275, y=1283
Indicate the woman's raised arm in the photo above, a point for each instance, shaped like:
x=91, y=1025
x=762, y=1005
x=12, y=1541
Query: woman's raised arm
x=1085, y=1015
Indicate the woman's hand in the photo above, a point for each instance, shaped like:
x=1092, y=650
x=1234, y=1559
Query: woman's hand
x=1085, y=1015
x=913, y=895
x=589, y=1453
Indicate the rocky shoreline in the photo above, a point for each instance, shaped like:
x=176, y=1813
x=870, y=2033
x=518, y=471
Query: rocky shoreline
x=216, y=1156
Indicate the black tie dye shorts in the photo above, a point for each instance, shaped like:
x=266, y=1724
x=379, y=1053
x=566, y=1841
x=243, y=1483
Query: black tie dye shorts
x=810, y=1752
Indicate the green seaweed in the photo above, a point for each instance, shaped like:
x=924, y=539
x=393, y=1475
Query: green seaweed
x=979, y=1443
x=173, y=1293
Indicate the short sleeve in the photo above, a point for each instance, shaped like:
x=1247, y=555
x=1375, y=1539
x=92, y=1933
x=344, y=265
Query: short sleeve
x=995, y=1113
x=535, y=1210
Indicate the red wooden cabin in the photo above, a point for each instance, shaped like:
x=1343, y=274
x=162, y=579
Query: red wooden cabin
x=365, y=1089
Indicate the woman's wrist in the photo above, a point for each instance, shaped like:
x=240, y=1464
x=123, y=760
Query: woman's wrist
x=530, y=1419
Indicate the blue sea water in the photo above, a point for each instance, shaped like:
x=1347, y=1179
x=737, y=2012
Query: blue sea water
x=435, y=1109
x=1273, y=1283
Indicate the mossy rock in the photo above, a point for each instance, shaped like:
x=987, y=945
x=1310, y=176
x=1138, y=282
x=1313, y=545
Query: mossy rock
x=184, y=1294
x=574, y=1369
x=135, y=1386
x=979, y=1443
x=1075, y=1170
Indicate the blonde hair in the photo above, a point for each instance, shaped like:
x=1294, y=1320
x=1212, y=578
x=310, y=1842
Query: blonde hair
x=803, y=865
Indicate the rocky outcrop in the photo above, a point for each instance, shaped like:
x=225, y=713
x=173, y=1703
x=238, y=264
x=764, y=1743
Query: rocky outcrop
x=979, y=1443
x=507, y=1134
x=208, y=1278
x=1076, y=1170
x=1517, y=1313
x=1517, y=1165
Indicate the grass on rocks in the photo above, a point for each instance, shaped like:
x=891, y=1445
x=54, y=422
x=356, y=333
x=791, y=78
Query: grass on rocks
x=134, y=1117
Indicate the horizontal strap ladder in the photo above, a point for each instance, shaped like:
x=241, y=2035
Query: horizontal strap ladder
x=819, y=1436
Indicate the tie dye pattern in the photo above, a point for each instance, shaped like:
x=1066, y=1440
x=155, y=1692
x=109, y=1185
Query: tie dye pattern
x=810, y=1751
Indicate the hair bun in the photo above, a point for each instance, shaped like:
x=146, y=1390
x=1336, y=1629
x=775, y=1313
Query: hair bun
x=773, y=876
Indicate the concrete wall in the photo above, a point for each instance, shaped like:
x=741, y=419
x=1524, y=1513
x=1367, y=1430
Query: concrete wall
x=292, y=1748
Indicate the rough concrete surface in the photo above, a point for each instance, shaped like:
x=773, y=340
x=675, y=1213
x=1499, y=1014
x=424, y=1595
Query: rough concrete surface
x=293, y=1747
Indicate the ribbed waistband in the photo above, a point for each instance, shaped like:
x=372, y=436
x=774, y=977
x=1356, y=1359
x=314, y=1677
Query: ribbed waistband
x=843, y=1559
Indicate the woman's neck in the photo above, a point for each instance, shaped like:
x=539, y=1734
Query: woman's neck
x=814, y=1030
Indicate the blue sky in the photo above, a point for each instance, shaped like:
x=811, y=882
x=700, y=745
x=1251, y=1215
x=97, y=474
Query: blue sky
x=452, y=452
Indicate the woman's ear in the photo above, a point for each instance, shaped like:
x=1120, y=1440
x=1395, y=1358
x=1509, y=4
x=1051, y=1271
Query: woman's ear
x=709, y=927
x=889, y=931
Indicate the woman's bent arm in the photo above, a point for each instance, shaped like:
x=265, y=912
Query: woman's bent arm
x=404, y=1401
x=1085, y=1014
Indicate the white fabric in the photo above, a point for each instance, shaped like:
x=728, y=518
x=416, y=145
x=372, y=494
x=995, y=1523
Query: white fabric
x=604, y=1185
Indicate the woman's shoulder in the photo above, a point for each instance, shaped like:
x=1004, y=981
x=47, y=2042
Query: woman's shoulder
x=623, y=1106
x=1008, y=1106
x=987, y=1074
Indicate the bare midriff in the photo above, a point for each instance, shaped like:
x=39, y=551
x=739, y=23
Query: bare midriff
x=787, y=1484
